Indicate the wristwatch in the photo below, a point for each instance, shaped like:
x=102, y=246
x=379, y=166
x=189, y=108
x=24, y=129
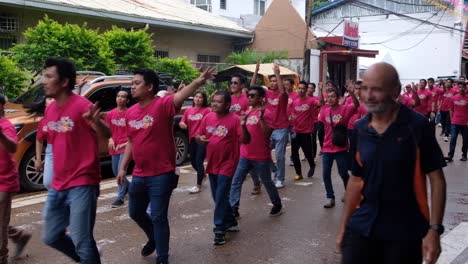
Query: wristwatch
x=438, y=228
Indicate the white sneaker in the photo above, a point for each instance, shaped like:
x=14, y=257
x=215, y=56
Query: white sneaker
x=291, y=163
x=194, y=190
x=279, y=184
x=445, y=139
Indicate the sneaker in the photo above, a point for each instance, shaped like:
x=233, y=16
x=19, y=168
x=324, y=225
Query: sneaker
x=330, y=203
x=463, y=158
x=298, y=178
x=148, y=249
x=255, y=190
x=194, y=189
x=21, y=244
x=311, y=172
x=233, y=229
x=219, y=239
x=117, y=203
x=448, y=159
x=236, y=214
x=279, y=185
x=276, y=210
x=445, y=139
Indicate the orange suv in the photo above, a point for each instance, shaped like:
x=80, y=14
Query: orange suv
x=99, y=88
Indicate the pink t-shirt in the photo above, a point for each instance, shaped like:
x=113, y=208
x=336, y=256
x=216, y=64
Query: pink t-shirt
x=276, y=115
x=74, y=144
x=436, y=96
x=459, y=107
x=9, y=178
x=359, y=113
x=222, y=151
x=407, y=99
x=193, y=117
x=239, y=104
x=425, y=97
x=150, y=129
x=291, y=98
x=340, y=115
x=303, y=111
x=259, y=148
x=115, y=119
x=348, y=100
x=41, y=131
x=446, y=100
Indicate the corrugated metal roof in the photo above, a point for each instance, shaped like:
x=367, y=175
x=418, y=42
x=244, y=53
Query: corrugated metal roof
x=171, y=13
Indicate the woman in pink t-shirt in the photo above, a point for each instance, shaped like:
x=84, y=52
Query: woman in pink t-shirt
x=191, y=120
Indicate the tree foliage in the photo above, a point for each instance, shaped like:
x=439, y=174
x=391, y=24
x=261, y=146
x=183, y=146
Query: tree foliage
x=132, y=49
x=319, y=3
x=248, y=56
x=180, y=68
x=12, y=78
x=51, y=39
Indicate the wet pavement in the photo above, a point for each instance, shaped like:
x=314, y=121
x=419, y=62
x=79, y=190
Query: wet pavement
x=305, y=233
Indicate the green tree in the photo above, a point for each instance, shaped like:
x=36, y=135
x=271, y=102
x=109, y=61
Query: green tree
x=248, y=56
x=319, y=3
x=180, y=68
x=12, y=78
x=51, y=39
x=132, y=49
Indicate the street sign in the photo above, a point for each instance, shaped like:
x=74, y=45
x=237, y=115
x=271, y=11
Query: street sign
x=351, y=34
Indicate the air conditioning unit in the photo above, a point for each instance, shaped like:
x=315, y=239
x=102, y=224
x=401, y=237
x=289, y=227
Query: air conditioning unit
x=8, y=24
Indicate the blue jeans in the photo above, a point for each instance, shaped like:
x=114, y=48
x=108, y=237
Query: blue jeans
x=76, y=208
x=342, y=163
x=223, y=216
x=262, y=168
x=279, y=140
x=48, y=167
x=197, y=156
x=154, y=190
x=454, y=131
x=122, y=190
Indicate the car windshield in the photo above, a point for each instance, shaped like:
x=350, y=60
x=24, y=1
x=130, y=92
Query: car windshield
x=33, y=94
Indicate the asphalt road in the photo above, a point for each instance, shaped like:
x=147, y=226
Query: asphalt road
x=305, y=233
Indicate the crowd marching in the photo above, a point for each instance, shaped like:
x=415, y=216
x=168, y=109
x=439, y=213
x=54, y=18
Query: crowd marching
x=369, y=131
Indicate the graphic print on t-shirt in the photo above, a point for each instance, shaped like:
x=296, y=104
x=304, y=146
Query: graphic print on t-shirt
x=195, y=117
x=274, y=101
x=252, y=120
x=220, y=131
x=302, y=108
x=65, y=124
x=460, y=102
x=235, y=108
x=336, y=118
x=118, y=122
x=144, y=123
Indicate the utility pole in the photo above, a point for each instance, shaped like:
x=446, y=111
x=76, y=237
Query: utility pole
x=306, y=60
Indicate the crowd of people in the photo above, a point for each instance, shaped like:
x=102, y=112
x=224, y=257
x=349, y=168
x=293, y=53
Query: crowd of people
x=369, y=131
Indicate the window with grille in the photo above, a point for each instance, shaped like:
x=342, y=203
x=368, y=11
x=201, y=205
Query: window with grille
x=161, y=54
x=208, y=58
x=8, y=24
x=6, y=42
x=222, y=4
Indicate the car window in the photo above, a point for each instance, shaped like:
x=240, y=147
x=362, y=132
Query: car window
x=106, y=97
x=33, y=95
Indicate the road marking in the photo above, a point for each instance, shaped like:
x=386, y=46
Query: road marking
x=454, y=243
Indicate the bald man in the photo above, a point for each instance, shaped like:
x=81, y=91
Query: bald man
x=386, y=217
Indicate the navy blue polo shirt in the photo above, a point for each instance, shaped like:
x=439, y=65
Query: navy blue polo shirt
x=393, y=167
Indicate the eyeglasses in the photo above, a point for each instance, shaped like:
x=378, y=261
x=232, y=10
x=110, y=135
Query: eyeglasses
x=236, y=83
x=251, y=95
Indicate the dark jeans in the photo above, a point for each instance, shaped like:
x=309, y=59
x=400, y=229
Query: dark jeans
x=314, y=142
x=445, y=122
x=197, y=156
x=455, y=130
x=223, y=216
x=303, y=141
x=342, y=163
x=156, y=191
x=358, y=249
x=432, y=123
x=74, y=208
x=320, y=130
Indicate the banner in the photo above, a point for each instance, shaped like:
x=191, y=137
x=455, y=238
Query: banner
x=351, y=34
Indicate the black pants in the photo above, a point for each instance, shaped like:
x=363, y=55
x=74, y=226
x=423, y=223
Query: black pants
x=314, y=144
x=432, y=123
x=445, y=122
x=362, y=250
x=320, y=131
x=303, y=141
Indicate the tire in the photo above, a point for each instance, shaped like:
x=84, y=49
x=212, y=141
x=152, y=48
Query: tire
x=182, y=147
x=30, y=180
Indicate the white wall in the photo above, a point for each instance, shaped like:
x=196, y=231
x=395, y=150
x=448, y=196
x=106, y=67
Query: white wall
x=439, y=54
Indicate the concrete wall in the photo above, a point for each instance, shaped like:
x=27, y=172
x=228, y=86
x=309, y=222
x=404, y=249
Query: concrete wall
x=418, y=50
x=176, y=42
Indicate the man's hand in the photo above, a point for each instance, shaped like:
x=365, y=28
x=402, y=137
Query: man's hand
x=111, y=144
x=276, y=68
x=339, y=241
x=93, y=115
x=431, y=247
x=208, y=74
x=38, y=164
x=120, y=177
x=182, y=125
x=123, y=145
x=201, y=139
x=181, y=86
x=257, y=66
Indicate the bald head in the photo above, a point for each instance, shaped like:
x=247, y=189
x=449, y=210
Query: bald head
x=385, y=76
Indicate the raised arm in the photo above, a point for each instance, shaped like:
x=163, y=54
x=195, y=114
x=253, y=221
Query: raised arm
x=190, y=89
x=254, y=77
x=279, y=81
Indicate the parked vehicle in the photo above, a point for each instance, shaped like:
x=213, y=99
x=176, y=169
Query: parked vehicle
x=100, y=88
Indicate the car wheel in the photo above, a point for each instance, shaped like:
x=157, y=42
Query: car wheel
x=30, y=179
x=182, y=146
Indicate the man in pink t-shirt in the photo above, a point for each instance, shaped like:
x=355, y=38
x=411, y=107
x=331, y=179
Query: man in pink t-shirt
x=220, y=130
x=444, y=108
x=459, y=117
x=434, y=102
x=425, y=96
x=410, y=97
x=149, y=125
x=9, y=185
x=276, y=117
x=115, y=119
x=255, y=153
x=72, y=201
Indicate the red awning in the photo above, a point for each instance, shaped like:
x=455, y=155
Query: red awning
x=335, y=47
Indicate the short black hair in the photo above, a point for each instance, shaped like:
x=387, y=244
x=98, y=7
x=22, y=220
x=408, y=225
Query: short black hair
x=65, y=70
x=313, y=84
x=449, y=79
x=337, y=93
x=204, y=96
x=226, y=94
x=304, y=83
x=290, y=80
x=2, y=99
x=430, y=79
x=423, y=80
x=461, y=83
x=331, y=82
x=241, y=77
x=150, y=77
x=259, y=89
